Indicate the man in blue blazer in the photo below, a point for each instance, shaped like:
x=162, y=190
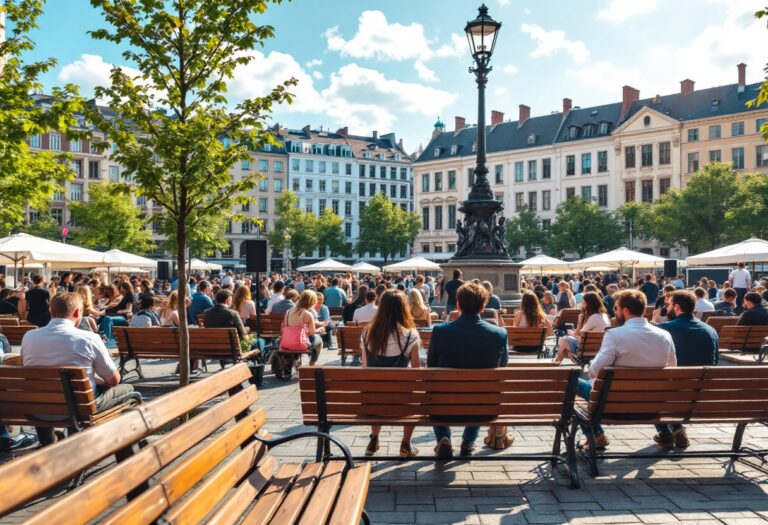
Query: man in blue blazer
x=467, y=342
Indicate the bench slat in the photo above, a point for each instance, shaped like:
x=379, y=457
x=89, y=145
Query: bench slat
x=270, y=500
x=441, y=386
x=351, y=500
x=294, y=502
x=234, y=506
x=320, y=505
x=453, y=398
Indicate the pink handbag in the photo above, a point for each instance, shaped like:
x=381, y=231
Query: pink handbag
x=293, y=338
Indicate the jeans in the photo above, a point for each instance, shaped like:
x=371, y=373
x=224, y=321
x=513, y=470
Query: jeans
x=740, y=293
x=108, y=321
x=4, y=432
x=468, y=436
x=583, y=389
x=668, y=429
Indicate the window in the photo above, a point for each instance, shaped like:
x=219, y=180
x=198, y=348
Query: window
x=573, y=132
x=665, y=153
x=335, y=186
x=499, y=197
x=761, y=156
x=603, y=128
x=714, y=131
x=76, y=146
x=519, y=201
x=335, y=206
x=295, y=184
x=602, y=161
x=737, y=157
x=383, y=172
x=263, y=205
x=76, y=191
x=114, y=174
x=361, y=189
x=532, y=204
x=320, y=206
x=348, y=229
x=335, y=168
x=629, y=157
x=35, y=141
x=77, y=167
x=586, y=193
x=499, y=172
x=629, y=191
x=438, y=217
x=322, y=166
x=362, y=170
x=451, y=216
x=602, y=195
x=715, y=155
x=228, y=253
x=403, y=191
x=55, y=141
x=532, y=169
x=570, y=193
x=586, y=163
x=546, y=168
x=547, y=223
x=425, y=248
x=309, y=185
x=451, y=248
x=245, y=227
x=438, y=248
x=546, y=200
x=348, y=188
x=295, y=164
x=393, y=173
x=758, y=124
x=403, y=173
x=646, y=155
x=470, y=176
x=570, y=165
x=737, y=129
x=425, y=219
x=693, y=135
x=309, y=166
x=438, y=181
x=246, y=207
x=58, y=215
x=94, y=171
x=264, y=184
x=383, y=189
x=347, y=208
x=277, y=185
x=451, y=180
x=246, y=165
x=424, y=183
x=664, y=185
x=278, y=166
x=393, y=192
x=646, y=189
x=348, y=168
x=372, y=189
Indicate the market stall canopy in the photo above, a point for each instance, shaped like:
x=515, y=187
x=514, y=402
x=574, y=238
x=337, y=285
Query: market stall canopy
x=121, y=258
x=364, y=267
x=620, y=258
x=543, y=263
x=751, y=250
x=21, y=248
x=326, y=265
x=414, y=264
x=203, y=266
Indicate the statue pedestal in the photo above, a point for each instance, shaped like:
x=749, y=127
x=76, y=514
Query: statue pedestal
x=502, y=273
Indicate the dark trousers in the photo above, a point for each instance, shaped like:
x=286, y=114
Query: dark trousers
x=740, y=293
x=668, y=429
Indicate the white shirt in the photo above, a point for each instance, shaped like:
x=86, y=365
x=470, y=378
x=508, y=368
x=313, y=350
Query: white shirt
x=596, y=322
x=61, y=343
x=273, y=300
x=226, y=280
x=247, y=310
x=365, y=313
x=703, y=305
x=637, y=344
x=740, y=278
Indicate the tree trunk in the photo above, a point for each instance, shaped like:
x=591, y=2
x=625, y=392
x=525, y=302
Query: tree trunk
x=181, y=262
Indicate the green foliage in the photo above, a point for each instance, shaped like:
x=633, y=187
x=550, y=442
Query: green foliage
x=642, y=216
x=294, y=227
x=762, y=96
x=330, y=234
x=386, y=228
x=203, y=240
x=581, y=227
x=524, y=231
x=180, y=156
x=45, y=227
x=748, y=214
x=109, y=219
x=28, y=178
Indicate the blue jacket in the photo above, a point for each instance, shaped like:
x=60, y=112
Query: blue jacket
x=468, y=342
x=696, y=343
x=335, y=297
x=200, y=303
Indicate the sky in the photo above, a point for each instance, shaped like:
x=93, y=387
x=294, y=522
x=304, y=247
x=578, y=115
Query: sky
x=396, y=66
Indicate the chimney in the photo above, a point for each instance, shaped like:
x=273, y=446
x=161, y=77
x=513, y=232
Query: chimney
x=742, y=76
x=524, y=114
x=567, y=104
x=307, y=131
x=343, y=131
x=686, y=87
x=497, y=117
x=629, y=96
x=460, y=122
x=375, y=134
x=400, y=144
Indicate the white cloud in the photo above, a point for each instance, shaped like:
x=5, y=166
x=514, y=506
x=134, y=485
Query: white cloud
x=500, y=90
x=318, y=75
x=606, y=77
x=456, y=48
x=424, y=72
x=620, y=10
x=314, y=63
x=90, y=71
x=509, y=69
x=549, y=42
x=503, y=3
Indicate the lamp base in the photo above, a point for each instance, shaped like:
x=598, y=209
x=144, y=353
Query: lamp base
x=503, y=274
x=483, y=233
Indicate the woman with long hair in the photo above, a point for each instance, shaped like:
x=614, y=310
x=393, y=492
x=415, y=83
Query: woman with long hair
x=419, y=310
x=564, y=298
x=530, y=315
x=548, y=304
x=593, y=318
x=348, y=313
x=302, y=315
x=87, y=321
x=391, y=341
x=169, y=316
x=244, y=306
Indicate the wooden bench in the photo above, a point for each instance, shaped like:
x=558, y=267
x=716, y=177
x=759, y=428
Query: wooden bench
x=9, y=321
x=648, y=313
x=718, y=322
x=216, y=467
x=526, y=337
x=689, y=395
x=16, y=333
x=271, y=325
x=349, y=341
x=524, y=396
x=744, y=339
x=51, y=397
x=426, y=337
x=589, y=346
x=566, y=319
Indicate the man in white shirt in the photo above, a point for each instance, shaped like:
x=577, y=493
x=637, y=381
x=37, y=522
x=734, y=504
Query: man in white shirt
x=741, y=281
x=62, y=343
x=276, y=296
x=364, y=314
x=634, y=344
x=702, y=303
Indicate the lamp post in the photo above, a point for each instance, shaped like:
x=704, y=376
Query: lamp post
x=482, y=235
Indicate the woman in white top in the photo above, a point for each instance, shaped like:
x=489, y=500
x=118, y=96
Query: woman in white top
x=391, y=341
x=244, y=306
x=593, y=318
x=419, y=310
x=169, y=316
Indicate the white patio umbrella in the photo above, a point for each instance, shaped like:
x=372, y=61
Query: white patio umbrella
x=414, y=264
x=120, y=269
x=22, y=248
x=326, y=265
x=121, y=258
x=620, y=258
x=197, y=264
x=751, y=250
x=364, y=267
x=543, y=263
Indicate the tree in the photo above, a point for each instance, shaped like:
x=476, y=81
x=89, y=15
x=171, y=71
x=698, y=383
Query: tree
x=294, y=227
x=640, y=214
x=180, y=155
x=386, y=228
x=748, y=214
x=581, y=227
x=762, y=96
x=110, y=220
x=45, y=227
x=208, y=236
x=330, y=234
x=524, y=231
x=28, y=178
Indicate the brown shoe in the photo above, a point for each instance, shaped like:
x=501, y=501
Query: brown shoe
x=665, y=440
x=444, y=450
x=600, y=443
x=467, y=449
x=681, y=439
x=373, y=446
x=408, y=451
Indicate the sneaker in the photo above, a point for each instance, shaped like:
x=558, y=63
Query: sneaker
x=665, y=440
x=681, y=439
x=373, y=446
x=23, y=440
x=600, y=443
x=467, y=449
x=444, y=450
x=195, y=373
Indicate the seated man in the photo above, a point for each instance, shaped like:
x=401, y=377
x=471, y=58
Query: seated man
x=696, y=344
x=364, y=314
x=467, y=342
x=635, y=343
x=223, y=316
x=285, y=304
x=728, y=305
x=702, y=303
x=62, y=343
x=755, y=314
x=201, y=301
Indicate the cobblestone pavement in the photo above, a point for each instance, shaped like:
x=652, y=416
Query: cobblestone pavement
x=695, y=490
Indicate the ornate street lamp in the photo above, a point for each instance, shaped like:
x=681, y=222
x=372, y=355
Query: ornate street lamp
x=483, y=232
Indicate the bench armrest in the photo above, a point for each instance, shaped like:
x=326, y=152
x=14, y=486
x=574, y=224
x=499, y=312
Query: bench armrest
x=311, y=434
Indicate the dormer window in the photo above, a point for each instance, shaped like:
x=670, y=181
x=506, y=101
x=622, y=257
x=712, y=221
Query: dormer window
x=454, y=149
x=382, y=156
x=588, y=130
x=715, y=104
x=603, y=128
x=573, y=132
x=317, y=149
x=398, y=156
x=295, y=147
x=267, y=147
x=531, y=139
x=332, y=150
x=437, y=152
x=366, y=154
x=474, y=148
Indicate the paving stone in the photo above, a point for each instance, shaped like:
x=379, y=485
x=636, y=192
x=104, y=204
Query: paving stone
x=439, y=518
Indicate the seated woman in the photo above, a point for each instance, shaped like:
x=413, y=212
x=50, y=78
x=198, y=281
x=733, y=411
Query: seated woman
x=593, y=318
x=391, y=341
x=169, y=316
x=348, y=313
x=548, y=304
x=301, y=315
x=419, y=311
x=87, y=321
x=245, y=307
x=146, y=316
x=530, y=315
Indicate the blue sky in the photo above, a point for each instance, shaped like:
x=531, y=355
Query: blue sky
x=397, y=65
